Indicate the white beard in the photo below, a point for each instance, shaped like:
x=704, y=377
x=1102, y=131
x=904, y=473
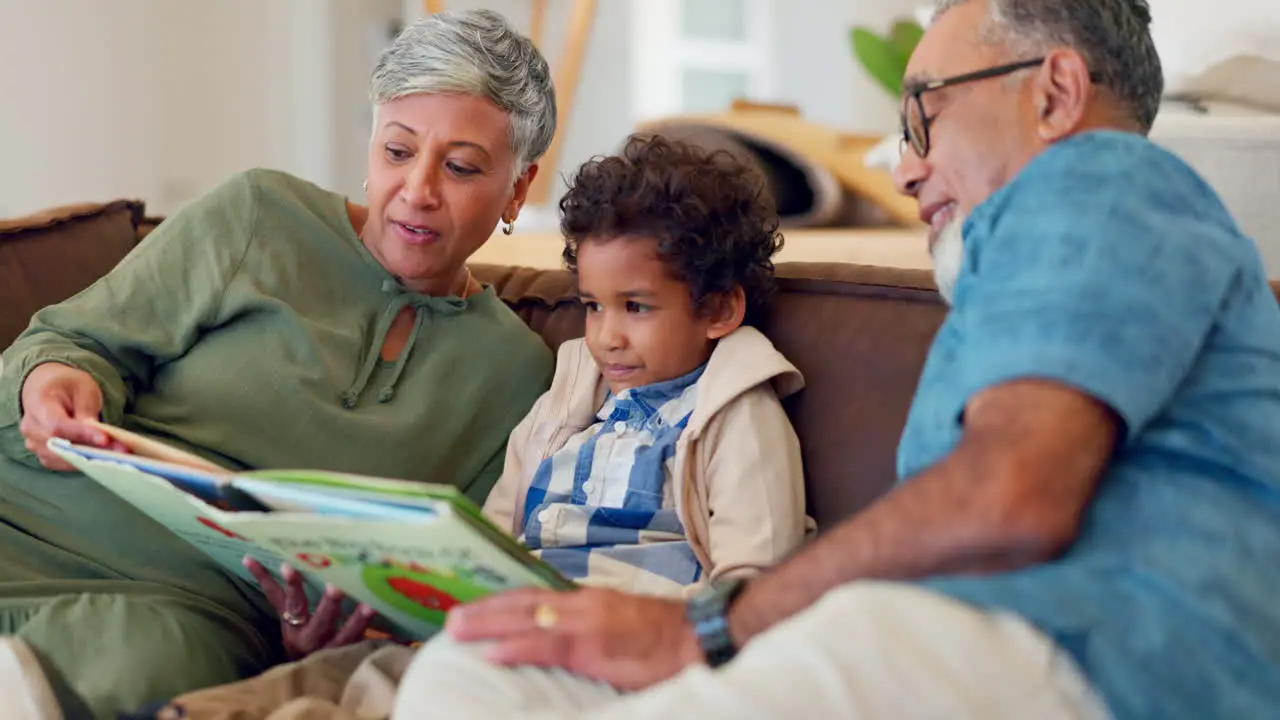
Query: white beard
x=948, y=257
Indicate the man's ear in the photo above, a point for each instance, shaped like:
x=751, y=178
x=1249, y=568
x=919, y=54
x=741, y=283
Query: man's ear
x=519, y=191
x=727, y=311
x=1062, y=94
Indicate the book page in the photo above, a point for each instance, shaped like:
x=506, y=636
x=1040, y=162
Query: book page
x=185, y=515
x=148, y=447
x=412, y=573
x=372, y=488
x=354, y=496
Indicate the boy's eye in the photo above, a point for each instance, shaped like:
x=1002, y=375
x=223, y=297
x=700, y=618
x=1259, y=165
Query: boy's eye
x=635, y=307
x=591, y=305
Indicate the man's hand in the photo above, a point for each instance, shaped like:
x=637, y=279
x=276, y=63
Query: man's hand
x=627, y=641
x=56, y=399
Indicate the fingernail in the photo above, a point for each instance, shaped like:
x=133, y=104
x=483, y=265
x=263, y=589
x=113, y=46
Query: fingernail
x=284, y=568
x=365, y=610
x=332, y=590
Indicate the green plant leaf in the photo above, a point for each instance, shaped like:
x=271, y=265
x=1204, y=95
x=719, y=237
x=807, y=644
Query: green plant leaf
x=906, y=34
x=882, y=59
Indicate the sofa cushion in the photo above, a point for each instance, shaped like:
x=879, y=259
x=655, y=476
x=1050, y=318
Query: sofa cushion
x=48, y=257
x=858, y=334
x=547, y=300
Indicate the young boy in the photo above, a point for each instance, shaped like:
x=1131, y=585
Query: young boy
x=661, y=457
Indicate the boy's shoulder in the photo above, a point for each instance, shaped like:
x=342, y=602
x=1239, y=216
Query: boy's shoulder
x=742, y=361
x=746, y=358
x=743, y=365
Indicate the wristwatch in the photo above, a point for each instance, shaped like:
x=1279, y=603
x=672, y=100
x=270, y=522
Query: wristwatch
x=708, y=612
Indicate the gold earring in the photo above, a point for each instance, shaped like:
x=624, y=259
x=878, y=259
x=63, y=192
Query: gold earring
x=509, y=228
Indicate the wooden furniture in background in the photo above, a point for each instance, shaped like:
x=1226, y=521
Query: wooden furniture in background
x=539, y=21
x=839, y=153
x=904, y=248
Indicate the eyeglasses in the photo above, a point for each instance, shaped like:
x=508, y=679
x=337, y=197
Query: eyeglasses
x=915, y=124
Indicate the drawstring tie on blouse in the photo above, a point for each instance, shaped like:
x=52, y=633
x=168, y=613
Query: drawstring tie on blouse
x=401, y=299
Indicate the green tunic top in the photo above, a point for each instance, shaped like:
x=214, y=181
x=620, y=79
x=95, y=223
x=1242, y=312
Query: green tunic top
x=247, y=328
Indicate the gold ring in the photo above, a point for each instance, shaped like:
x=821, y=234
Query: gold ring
x=545, y=617
x=293, y=620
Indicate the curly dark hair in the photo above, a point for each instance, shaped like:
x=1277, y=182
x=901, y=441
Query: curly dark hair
x=712, y=216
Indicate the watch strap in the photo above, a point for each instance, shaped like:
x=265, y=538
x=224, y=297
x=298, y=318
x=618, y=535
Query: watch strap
x=708, y=612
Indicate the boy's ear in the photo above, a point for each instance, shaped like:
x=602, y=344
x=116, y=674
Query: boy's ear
x=726, y=312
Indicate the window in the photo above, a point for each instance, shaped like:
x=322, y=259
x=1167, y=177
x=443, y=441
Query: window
x=693, y=56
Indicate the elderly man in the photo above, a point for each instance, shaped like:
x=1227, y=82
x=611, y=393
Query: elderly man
x=1088, y=522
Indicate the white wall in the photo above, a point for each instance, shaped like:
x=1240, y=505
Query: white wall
x=816, y=68
x=162, y=99
x=73, y=125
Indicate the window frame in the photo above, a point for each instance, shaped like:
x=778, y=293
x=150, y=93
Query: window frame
x=661, y=53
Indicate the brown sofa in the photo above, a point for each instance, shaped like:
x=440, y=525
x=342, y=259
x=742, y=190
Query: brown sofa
x=859, y=334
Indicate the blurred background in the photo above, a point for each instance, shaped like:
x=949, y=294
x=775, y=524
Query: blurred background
x=160, y=100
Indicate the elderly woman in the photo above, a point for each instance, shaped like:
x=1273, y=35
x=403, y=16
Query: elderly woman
x=273, y=323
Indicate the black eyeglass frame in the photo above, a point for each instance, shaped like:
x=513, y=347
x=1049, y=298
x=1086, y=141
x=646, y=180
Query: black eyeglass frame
x=913, y=94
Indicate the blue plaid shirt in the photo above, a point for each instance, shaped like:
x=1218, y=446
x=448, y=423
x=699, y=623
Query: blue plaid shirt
x=603, y=506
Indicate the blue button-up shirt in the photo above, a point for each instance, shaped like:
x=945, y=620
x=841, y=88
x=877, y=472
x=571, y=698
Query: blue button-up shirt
x=1107, y=265
x=603, y=504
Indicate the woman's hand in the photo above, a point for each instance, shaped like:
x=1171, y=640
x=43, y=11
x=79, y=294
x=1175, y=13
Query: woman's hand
x=56, y=399
x=303, y=631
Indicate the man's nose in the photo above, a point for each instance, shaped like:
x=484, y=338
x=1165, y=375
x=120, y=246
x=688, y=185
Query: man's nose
x=910, y=173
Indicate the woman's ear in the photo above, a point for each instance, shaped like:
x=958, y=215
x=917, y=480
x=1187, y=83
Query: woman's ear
x=726, y=312
x=520, y=191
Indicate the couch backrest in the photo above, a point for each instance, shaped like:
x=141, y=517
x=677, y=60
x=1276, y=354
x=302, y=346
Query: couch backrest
x=858, y=334
x=48, y=257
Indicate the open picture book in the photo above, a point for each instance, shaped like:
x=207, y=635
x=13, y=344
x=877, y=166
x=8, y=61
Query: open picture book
x=410, y=550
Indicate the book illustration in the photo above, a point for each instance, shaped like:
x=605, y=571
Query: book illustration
x=219, y=529
x=423, y=592
x=412, y=588
x=412, y=551
x=413, y=573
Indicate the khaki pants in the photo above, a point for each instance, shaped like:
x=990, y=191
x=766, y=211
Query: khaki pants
x=872, y=651
x=868, y=650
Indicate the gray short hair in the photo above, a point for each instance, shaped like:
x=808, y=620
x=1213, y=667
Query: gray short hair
x=1113, y=37
x=474, y=52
